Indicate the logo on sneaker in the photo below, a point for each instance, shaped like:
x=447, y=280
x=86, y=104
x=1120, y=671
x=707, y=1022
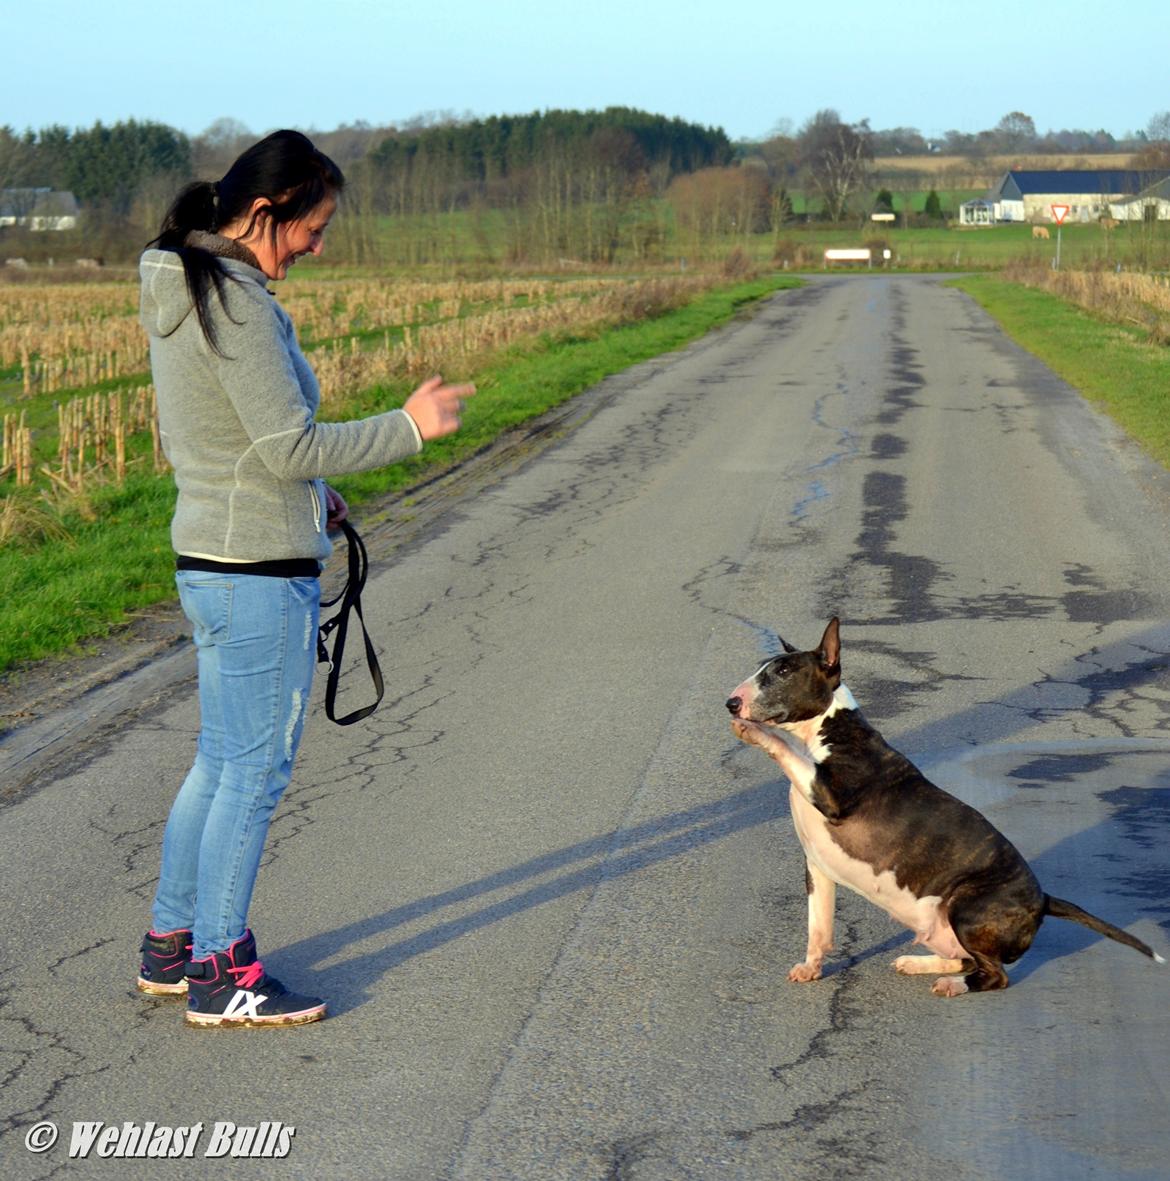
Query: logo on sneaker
x=245, y=1004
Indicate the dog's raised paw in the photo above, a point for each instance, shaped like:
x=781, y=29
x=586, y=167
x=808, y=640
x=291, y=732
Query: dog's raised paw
x=747, y=731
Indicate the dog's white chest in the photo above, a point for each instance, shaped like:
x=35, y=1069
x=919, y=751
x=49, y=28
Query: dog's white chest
x=921, y=915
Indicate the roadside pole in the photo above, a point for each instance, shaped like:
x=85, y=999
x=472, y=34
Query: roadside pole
x=1059, y=213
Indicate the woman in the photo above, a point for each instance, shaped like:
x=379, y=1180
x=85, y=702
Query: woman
x=237, y=404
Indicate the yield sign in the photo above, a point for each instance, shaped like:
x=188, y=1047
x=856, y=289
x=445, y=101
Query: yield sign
x=1059, y=213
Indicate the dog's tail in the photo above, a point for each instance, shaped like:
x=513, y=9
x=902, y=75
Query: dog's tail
x=1060, y=909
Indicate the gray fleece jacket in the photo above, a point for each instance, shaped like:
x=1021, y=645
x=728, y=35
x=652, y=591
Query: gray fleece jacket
x=240, y=429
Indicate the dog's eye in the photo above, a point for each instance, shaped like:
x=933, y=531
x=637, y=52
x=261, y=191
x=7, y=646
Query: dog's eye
x=774, y=672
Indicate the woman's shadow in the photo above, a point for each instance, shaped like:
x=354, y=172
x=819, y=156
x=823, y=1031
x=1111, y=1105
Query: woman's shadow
x=576, y=867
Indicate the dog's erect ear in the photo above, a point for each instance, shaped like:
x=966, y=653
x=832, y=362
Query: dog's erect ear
x=786, y=645
x=830, y=649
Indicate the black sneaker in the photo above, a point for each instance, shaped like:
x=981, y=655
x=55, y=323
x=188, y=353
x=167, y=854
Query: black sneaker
x=164, y=962
x=231, y=988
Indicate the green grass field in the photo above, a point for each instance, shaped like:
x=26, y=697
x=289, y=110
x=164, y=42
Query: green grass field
x=954, y=248
x=487, y=241
x=949, y=199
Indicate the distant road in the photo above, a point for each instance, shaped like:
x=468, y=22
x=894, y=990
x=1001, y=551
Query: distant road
x=553, y=903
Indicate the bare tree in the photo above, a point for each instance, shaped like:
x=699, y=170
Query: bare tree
x=839, y=159
x=213, y=151
x=349, y=143
x=781, y=154
x=1015, y=132
x=1156, y=151
x=354, y=236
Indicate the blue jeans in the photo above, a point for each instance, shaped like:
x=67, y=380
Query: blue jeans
x=256, y=640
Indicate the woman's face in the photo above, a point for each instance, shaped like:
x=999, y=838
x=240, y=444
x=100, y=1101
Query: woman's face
x=306, y=235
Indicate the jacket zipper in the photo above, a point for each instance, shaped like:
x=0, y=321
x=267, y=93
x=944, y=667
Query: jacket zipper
x=316, y=506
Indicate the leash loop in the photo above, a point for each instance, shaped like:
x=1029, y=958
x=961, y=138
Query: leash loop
x=350, y=600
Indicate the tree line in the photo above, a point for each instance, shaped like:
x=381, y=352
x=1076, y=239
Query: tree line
x=564, y=183
x=586, y=185
x=1015, y=132
x=482, y=153
x=104, y=167
x=572, y=175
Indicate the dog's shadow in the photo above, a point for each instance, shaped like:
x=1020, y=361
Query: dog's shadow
x=836, y=963
x=1116, y=869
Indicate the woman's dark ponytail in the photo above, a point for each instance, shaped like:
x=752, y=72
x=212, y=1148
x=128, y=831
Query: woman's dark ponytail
x=284, y=168
x=193, y=209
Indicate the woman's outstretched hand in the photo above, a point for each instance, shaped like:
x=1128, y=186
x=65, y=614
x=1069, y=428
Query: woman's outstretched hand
x=436, y=407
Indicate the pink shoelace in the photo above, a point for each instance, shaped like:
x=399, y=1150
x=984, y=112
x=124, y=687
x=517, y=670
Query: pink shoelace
x=248, y=976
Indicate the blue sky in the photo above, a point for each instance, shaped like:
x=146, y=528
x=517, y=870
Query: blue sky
x=744, y=65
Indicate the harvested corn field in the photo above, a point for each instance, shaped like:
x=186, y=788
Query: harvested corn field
x=74, y=360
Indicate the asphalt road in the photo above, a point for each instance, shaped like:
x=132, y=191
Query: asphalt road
x=550, y=899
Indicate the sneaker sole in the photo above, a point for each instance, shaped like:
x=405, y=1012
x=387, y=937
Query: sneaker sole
x=215, y=1021
x=154, y=988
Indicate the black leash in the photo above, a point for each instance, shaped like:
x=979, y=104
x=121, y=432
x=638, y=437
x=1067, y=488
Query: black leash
x=350, y=600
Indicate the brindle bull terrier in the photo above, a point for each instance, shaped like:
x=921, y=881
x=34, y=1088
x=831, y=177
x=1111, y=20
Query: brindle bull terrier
x=871, y=821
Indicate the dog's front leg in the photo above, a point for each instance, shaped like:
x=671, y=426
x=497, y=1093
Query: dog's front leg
x=822, y=896
x=799, y=768
x=822, y=890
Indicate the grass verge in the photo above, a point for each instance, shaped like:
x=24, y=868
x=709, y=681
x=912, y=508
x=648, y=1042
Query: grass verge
x=117, y=558
x=1114, y=366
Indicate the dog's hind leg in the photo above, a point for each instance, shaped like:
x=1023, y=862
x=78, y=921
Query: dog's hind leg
x=950, y=986
x=987, y=977
x=981, y=939
x=993, y=929
x=822, y=897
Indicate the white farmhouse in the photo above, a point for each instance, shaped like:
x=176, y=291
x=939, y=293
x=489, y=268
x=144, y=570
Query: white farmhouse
x=1089, y=193
x=38, y=209
x=1152, y=204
